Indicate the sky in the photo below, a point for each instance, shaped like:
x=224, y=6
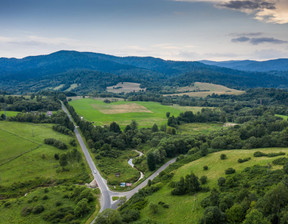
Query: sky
x=187, y=30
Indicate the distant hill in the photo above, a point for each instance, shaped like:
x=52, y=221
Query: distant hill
x=279, y=65
x=85, y=72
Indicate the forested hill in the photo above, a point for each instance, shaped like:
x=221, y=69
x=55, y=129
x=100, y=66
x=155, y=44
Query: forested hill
x=93, y=71
x=278, y=65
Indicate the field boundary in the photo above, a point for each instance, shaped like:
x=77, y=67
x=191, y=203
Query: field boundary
x=16, y=157
x=30, y=150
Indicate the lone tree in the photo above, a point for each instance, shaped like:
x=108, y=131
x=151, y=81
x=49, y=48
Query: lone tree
x=115, y=127
x=151, y=162
x=167, y=114
x=63, y=160
x=155, y=128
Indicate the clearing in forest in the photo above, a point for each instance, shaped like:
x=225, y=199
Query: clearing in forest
x=123, y=112
x=125, y=87
x=201, y=89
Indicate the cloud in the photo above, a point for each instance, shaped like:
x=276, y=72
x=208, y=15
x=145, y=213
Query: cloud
x=259, y=40
x=269, y=11
x=248, y=5
x=36, y=41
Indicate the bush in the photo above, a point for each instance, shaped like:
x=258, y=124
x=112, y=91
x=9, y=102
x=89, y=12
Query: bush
x=153, y=208
x=26, y=211
x=280, y=161
x=272, y=154
x=58, y=203
x=223, y=156
x=56, y=143
x=230, y=171
x=244, y=160
x=221, y=181
x=163, y=204
x=130, y=215
x=205, y=167
x=45, y=197
x=203, y=179
x=38, y=209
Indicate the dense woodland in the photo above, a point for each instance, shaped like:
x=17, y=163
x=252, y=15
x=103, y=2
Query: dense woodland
x=91, y=73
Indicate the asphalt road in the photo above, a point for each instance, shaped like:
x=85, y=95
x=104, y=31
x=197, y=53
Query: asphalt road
x=106, y=194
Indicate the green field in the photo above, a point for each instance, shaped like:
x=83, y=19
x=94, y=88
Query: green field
x=285, y=117
x=122, y=112
x=9, y=113
x=17, y=138
x=199, y=128
x=12, y=209
x=189, y=205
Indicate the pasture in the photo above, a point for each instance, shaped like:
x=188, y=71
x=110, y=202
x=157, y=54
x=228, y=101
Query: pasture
x=189, y=205
x=123, y=112
x=201, y=89
x=24, y=155
x=199, y=128
x=9, y=113
x=125, y=87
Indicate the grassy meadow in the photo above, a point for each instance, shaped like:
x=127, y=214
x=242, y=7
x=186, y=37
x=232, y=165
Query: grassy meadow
x=24, y=156
x=202, y=89
x=123, y=112
x=9, y=113
x=189, y=205
x=199, y=128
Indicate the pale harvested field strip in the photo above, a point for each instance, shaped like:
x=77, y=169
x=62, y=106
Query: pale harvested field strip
x=122, y=108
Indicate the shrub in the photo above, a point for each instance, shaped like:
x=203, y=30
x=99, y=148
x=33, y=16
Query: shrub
x=58, y=203
x=153, y=208
x=272, y=154
x=130, y=215
x=38, y=209
x=26, y=211
x=221, y=181
x=280, y=161
x=223, y=156
x=45, y=197
x=205, y=167
x=244, y=160
x=203, y=179
x=230, y=171
x=56, y=143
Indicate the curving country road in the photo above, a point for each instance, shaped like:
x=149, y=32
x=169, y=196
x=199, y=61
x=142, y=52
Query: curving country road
x=106, y=193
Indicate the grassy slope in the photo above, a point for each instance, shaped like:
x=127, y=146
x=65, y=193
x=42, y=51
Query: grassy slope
x=31, y=164
x=187, y=209
x=201, y=89
x=84, y=108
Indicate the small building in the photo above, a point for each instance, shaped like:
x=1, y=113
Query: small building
x=49, y=113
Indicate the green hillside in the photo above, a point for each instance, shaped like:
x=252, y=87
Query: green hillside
x=189, y=205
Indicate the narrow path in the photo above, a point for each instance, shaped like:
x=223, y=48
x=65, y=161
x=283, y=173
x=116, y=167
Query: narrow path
x=130, y=162
x=106, y=193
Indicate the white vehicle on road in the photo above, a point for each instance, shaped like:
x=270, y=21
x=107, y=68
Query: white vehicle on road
x=94, y=171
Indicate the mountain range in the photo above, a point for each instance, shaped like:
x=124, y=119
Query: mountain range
x=89, y=72
x=278, y=65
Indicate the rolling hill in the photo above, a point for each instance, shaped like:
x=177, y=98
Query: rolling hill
x=85, y=72
x=279, y=65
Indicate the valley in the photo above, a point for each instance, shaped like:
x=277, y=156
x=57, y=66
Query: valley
x=69, y=151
